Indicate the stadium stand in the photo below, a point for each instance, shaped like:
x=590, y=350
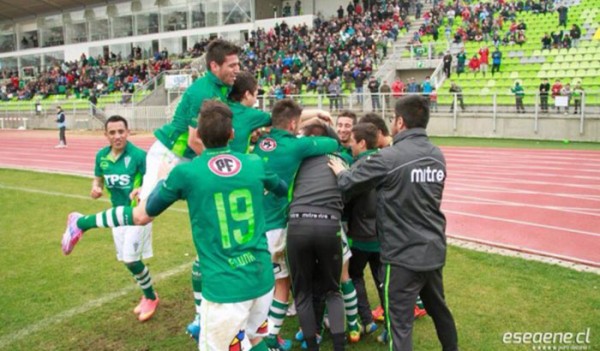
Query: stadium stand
x=527, y=63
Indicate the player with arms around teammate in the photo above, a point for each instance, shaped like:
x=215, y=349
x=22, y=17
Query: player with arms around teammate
x=224, y=193
x=283, y=152
x=120, y=167
x=409, y=177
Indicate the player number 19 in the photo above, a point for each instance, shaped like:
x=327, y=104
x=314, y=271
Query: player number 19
x=236, y=214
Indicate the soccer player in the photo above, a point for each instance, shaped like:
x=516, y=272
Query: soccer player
x=361, y=225
x=383, y=133
x=177, y=141
x=224, y=193
x=346, y=120
x=409, y=177
x=314, y=249
x=120, y=167
x=283, y=152
x=242, y=98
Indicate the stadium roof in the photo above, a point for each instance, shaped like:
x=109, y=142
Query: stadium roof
x=15, y=9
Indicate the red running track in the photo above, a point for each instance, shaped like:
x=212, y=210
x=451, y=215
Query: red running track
x=545, y=202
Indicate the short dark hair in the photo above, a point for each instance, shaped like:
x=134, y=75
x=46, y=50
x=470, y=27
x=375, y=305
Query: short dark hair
x=244, y=81
x=215, y=124
x=218, y=49
x=115, y=118
x=376, y=119
x=366, y=131
x=348, y=114
x=284, y=111
x=414, y=109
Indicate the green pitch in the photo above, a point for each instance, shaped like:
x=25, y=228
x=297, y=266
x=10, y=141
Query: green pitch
x=84, y=301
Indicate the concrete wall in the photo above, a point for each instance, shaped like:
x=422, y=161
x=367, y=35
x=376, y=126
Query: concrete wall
x=515, y=127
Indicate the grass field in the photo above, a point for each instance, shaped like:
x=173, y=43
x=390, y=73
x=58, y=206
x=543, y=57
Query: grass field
x=84, y=301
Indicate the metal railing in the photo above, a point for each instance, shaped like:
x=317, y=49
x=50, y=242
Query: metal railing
x=495, y=109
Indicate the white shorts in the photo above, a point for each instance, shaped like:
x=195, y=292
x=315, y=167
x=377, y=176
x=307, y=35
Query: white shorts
x=277, y=244
x=346, y=252
x=133, y=242
x=226, y=324
x=157, y=154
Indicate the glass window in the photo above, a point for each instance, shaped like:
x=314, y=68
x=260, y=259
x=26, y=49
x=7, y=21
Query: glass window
x=142, y=50
x=30, y=65
x=198, y=16
x=171, y=46
x=8, y=41
x=120, y=52
x=212, y=13
x=76, y=29
x=98, y=20
x=53, y=59
x=174, y=18
x=51, y=30
x=146, y=23
x=236, y=11
x=122, y=20
x=7, y=65
x=29, y=39
x=122, y=26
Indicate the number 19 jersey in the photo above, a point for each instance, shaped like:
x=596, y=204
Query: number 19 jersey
x=224, y=192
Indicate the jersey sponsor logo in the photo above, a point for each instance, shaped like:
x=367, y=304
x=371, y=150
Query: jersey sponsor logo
x=225, y=165
x=427, y=175
x=268, y=144
x=120, y=180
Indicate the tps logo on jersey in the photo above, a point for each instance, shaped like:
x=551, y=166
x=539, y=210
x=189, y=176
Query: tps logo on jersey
x=268, y=144
x=225, y=165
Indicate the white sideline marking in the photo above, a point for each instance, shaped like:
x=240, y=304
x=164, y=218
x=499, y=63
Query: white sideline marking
x=79, y=197
x=58, y=318
x=63, y=316
x=531, y=224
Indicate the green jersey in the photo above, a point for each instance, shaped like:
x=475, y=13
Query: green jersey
x=174, y=135
x=123, y=174
x=346, y=154
x=245, y=120
x=283, y=152
x=225, y=194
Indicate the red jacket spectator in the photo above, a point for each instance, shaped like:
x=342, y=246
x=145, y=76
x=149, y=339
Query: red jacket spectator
x=474, y=63
x=484, y=54
x=556, y=88
x=397, y=88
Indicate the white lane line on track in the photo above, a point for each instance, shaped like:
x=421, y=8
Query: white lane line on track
x=451, y=189
x=86, y=307
x=525, y=223
x=474, y=200
x=511, y=172
x=470, y=180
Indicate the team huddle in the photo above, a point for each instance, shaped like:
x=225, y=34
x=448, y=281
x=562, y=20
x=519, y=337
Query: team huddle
x=280, y=202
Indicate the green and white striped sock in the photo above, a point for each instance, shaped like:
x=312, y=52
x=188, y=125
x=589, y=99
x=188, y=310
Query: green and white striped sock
x=142, y=276
x=113, y=217
x=350, y=304
x=276, y=315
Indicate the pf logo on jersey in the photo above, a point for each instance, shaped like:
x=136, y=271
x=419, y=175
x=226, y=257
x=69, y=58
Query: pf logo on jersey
x=268, y=144
x=225, y=165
